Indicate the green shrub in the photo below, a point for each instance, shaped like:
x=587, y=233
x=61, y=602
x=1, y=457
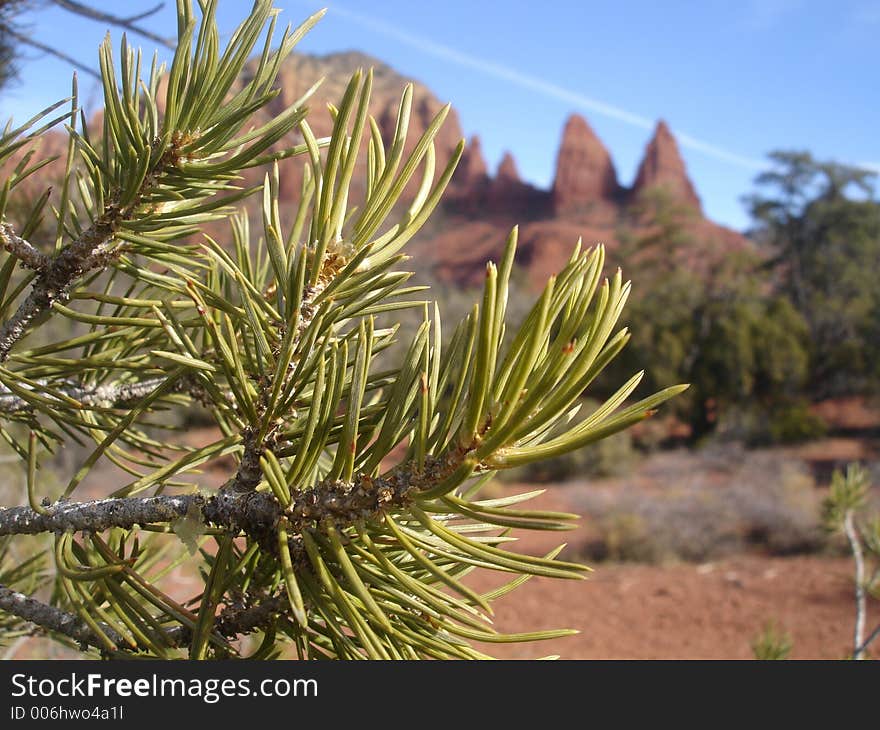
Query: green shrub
x=794, y=423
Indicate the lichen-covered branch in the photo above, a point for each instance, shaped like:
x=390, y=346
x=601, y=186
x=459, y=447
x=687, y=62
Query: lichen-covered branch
x=57, y=275
x=54, y=619
x=22, y=249
x=233, y=620
x=251, y=512
x=107, y=395
x=249, y=473
x=255, y=513
x=94, y=516
x=236, y=620
x=365, y=497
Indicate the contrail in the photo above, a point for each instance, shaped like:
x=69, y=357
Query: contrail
x=541, y=86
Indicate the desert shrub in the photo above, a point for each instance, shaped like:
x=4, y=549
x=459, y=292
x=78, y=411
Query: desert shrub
x=794, y=423
x=786, y=422
x=762, y=503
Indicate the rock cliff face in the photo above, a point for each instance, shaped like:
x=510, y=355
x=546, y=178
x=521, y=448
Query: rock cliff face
x=470, y=183
x=585, y=173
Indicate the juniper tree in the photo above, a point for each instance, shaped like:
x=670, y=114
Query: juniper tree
x=352, y=512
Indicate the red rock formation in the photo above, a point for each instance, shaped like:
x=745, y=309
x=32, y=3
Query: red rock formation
x=472, y=175
x=507, y=170
x=507, y=192
x=662, y=166
x=584, y=170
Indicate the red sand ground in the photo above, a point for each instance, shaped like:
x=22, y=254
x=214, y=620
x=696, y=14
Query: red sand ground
x=710, y=611
x=681, y=611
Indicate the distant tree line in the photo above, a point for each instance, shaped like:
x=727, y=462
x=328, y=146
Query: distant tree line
x=761, y=335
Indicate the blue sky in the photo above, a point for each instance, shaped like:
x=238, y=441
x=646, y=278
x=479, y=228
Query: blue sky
x=733, y=79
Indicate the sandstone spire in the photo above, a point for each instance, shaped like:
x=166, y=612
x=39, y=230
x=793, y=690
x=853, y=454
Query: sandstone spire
x=584, y=170
x=472, y=167
x=663, y=166
x=507, y=170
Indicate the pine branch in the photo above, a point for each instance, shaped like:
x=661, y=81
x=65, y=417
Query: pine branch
x=52, y=51
x=111, y=395
x=128, y=23
x=30, y=257
x=95, y=516
x=58, y=274
x=236, y=506
x=108, y=395
x=278, y=339
x=236, y=619
x=54, y=619
x=233, y=620
x=250, y=472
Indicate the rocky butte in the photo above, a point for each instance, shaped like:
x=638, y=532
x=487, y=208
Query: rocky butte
x=586, y=199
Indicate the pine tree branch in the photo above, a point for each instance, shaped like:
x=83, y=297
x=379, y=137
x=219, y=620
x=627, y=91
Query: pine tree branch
x=255, y=513
x=233, y=620
x=51, y=50
x=109, y=395
x=94, y=516
x=30, y=257
x=236, y=620
x=127, y=23
x=57, y=276
x=250, y=472
x=54, y=619
x=252, y=512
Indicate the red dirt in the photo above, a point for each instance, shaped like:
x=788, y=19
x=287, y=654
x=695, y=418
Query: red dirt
x=711, y=611
x=681, y=611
